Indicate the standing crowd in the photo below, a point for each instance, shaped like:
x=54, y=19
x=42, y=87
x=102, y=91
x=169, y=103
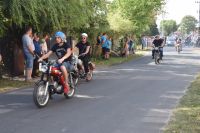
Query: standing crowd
x=33, y=47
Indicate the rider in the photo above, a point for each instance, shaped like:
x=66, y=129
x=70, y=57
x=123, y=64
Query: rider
x=178, y=44
x=64, y=54
x=84, y=52
x=157, y=42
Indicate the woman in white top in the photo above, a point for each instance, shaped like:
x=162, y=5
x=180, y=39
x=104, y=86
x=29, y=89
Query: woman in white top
x=44, y=44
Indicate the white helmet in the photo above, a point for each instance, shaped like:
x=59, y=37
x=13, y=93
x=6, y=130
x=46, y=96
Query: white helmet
x=84, y=34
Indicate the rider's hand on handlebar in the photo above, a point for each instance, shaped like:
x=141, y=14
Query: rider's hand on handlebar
x=83, y=54
x=60, y=61
x=39, y=60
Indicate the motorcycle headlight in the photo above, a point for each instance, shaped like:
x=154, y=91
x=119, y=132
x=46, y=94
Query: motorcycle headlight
x=156, y=48
x=43, y=68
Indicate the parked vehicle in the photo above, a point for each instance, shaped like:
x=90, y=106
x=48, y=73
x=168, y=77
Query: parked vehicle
x=170, y=41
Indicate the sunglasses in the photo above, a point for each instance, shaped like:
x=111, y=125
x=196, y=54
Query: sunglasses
x=83, y=38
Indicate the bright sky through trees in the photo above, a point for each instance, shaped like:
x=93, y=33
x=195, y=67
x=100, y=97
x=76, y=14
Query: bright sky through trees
x=177, y=9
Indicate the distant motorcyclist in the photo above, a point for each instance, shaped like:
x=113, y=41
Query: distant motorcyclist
x=178, y=44
x=158, y=42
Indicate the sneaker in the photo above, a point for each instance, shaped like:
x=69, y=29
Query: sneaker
x=66, y=89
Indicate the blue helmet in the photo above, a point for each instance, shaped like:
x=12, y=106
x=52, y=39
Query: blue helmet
x=61, y=35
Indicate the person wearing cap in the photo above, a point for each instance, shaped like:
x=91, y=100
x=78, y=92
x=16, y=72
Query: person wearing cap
x=84, y=50
x=64, y=54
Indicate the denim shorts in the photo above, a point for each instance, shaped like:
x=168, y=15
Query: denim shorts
x=67, y=65
x=29, y=60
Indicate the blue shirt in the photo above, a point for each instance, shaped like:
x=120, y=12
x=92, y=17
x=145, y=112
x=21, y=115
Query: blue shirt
x=38, y=49
x=108, y=44
x=103, y=39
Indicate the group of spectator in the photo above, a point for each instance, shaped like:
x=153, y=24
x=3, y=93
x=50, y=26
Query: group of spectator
x=33, y=45
x=128, y=46
x=104, y=42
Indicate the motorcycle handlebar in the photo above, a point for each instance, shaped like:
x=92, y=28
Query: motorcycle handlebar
x=81, y=55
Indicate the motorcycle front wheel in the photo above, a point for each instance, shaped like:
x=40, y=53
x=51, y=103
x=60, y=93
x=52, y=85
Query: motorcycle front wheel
x=39, y=97
x=157, y=58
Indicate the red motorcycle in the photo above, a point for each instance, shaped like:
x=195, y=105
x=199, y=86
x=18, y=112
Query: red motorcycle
x=52, y=82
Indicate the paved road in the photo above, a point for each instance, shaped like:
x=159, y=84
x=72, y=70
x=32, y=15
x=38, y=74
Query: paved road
x=135, y=97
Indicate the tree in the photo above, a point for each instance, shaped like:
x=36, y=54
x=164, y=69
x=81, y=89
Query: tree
x=49, y=16
x=152, y=30
x=168, y=26
x=140, y=14
x=188, y=24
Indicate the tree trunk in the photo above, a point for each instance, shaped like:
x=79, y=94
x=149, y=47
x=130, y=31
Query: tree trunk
x=18, y=65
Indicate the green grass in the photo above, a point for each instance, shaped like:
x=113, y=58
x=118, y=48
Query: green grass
x=186, y=117
x=7, y=84
x=116, y=60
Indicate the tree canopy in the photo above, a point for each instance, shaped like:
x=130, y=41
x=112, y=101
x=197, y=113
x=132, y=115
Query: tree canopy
x=76, y=15
x=168, y=26
x=188, y=24
x=51, y=15
x=133, y=15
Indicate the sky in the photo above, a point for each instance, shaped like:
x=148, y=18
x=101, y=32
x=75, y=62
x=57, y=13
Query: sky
x=177, y=9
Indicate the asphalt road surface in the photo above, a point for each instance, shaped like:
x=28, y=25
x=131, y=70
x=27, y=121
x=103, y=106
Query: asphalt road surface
x=135, y=97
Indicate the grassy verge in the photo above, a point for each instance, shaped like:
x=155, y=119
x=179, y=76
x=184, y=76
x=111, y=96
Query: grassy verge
x=186, y=117
x=7, y=85
x=118, y=60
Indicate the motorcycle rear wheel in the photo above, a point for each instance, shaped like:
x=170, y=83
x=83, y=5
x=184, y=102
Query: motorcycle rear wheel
x=39, y=98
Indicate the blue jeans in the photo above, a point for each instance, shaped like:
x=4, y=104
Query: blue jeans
x=67, y=65
x=29, y=60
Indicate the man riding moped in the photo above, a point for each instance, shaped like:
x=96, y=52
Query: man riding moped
x=158, y=42
x=64, y=54
x=84, y=54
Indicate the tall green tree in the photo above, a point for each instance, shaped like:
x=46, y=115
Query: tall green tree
x=168, y=26
x=138, y=13
x=152, y=30
x=188, y=24
x=69, y=16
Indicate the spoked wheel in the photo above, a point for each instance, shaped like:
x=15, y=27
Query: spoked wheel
x=179, y=50
x=157, y=60
x=75, y=77
x=72, y=87
x=39, y=97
